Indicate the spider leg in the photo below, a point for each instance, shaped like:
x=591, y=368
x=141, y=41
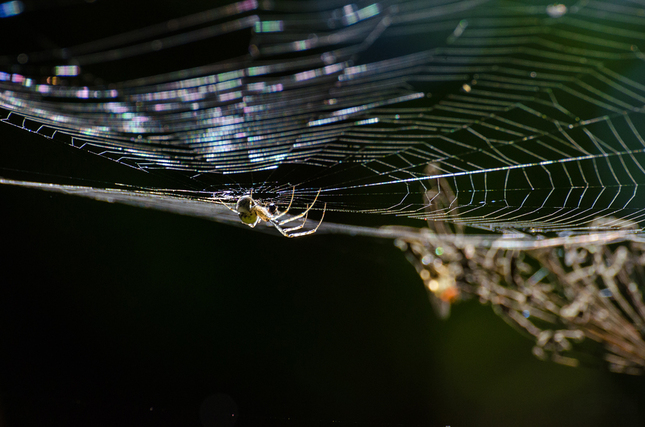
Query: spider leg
x=281, y=214
x=229, y=208
x=280, y=229
x=297, y=227
x=312, y=231
x=300, y=215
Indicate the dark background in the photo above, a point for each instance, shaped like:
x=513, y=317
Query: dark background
x=113, y=315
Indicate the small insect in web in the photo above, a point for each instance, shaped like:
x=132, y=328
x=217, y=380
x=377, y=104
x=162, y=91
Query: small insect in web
x=251, y=212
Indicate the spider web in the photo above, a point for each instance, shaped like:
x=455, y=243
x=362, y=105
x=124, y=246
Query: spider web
x=532, y=111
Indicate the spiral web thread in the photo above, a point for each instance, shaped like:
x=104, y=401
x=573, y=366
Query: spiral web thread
x=532, y=111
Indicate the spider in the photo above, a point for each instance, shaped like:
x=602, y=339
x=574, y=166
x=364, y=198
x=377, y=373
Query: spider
x=251, y=212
